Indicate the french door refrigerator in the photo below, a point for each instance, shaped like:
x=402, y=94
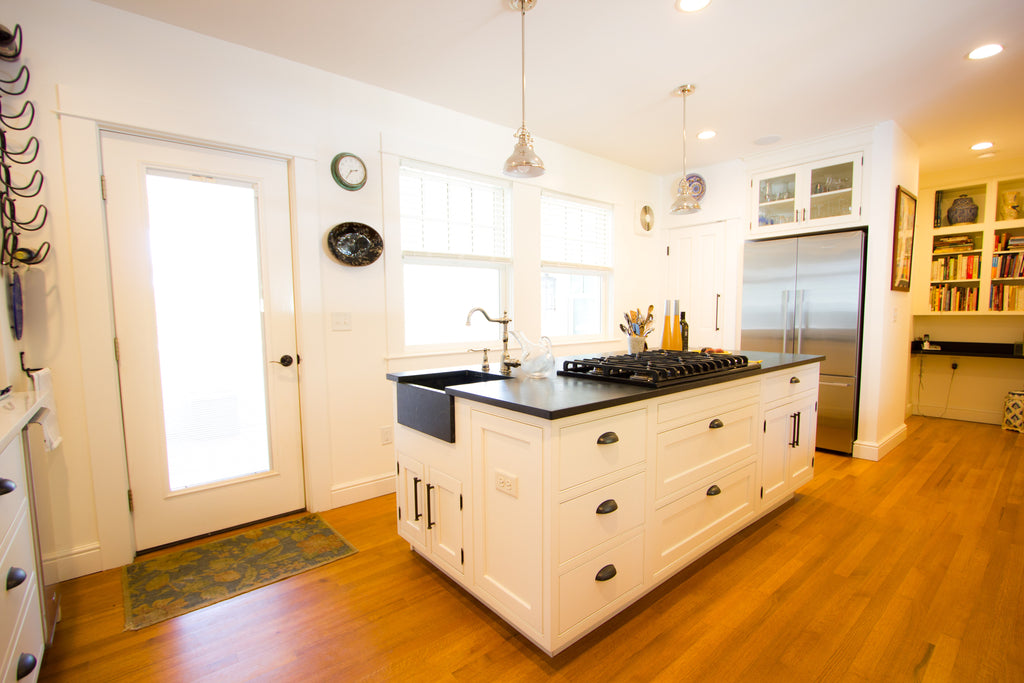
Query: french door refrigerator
x=805, y=295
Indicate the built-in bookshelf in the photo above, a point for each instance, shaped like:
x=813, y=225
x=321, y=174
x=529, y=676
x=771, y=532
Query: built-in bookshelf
x=971, y=266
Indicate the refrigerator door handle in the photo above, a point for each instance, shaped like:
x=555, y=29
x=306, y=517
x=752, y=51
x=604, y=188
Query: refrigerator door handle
x=835, y=384
x=785, y=321
x=798, y=320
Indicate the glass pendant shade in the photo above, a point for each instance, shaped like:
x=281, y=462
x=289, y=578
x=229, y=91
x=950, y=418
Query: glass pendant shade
x=524, y=162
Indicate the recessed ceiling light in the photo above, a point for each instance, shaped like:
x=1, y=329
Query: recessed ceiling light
x=706, y=135
x=691, y=5
x=977, y=147
x=985, y=51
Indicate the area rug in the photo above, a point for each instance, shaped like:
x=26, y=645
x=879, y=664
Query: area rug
x=168, y=585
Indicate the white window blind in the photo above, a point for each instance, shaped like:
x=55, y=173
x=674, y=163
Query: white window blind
x=444, y=213
x=575, y=232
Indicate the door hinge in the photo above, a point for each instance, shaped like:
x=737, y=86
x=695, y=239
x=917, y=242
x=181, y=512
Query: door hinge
x=462, y=556
x=812, y=461
x=131, y=502
x=460, y=501
x=762, y=492
x=668, y=251
x=399, y=514
x=764, y=427
x=117, y=351
x=103, y=187
x=398, y=468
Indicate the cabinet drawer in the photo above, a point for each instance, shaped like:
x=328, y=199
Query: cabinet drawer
x=683, y=529
x=687, y=454
x=19, y=553
x=12, y=467
x=787, y=383
x=698, y=403
x=581, y=593
x=582, y=457
x=582, y=527
x=27, y=639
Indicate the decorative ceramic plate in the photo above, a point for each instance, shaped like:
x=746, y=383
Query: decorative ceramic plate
x=697, y=185
x=355, y=244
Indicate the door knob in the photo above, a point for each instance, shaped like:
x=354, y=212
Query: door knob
x=286, y=360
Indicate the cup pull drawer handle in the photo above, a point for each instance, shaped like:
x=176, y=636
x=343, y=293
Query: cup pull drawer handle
x=15, y=577
x=26, y=664
x=716, y=424
x=607, y=507
x=714, y=490
x=6, y=486
x=607, y=572
x=607, y=438
x=794, y=380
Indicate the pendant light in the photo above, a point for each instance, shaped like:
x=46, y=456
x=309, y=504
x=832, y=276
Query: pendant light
x=524, y=162
x=685, y=203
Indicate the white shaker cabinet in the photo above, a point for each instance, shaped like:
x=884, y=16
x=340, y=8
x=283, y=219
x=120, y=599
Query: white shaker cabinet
x=824, y=193
x=790, y=407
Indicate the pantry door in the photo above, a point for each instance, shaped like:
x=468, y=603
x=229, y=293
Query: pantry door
x=200, y=262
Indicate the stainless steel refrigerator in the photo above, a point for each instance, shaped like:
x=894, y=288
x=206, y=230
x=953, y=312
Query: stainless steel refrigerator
x=805, y=295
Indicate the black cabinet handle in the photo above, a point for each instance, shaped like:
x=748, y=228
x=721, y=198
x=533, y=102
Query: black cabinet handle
x=714, y=490
x=416, y=499
x=794, y=380
x=607, y=438
x=716, y=424
x=15, y=577
x=26, y=664
x=607, y=507
x=430, y=522
x=6, y=486
x=607, y=572
x=796, y=431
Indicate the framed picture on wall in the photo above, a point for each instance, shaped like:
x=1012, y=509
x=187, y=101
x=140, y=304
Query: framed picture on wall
x=903, y=239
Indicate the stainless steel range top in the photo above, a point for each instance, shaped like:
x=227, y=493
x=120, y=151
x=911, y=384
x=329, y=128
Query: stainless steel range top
x=657, y=368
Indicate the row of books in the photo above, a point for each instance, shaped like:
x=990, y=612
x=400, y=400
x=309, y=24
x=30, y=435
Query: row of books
x=953, y=298
x=1007, y=298
x=1007, y=242
x=947, y=244
x=966, y=267
x=1008, y=265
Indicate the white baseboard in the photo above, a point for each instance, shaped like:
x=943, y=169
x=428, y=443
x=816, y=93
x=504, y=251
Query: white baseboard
x=992, y=417
x=362, y=489
x=70, y=564
x=876, y=450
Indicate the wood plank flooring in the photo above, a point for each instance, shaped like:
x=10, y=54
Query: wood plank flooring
x=909, y=569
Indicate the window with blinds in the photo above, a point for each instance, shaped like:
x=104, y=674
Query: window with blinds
x=576, y=248
x=456, y=254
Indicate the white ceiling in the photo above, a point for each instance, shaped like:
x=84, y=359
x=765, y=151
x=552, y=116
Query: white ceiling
x=600, y=72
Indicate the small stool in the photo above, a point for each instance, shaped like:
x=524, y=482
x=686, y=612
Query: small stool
x=1013, y=411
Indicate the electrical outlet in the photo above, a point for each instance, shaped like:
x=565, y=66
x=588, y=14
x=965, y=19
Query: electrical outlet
x=385, y=436
x=506, y=483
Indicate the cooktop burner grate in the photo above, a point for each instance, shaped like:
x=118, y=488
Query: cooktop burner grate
x=656, y=368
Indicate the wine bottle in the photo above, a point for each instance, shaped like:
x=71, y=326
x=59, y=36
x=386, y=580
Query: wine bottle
x=684, y=332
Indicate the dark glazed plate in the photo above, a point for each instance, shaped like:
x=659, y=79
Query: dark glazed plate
x=355, y=244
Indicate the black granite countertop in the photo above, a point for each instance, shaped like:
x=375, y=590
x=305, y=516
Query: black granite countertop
x=555, y=396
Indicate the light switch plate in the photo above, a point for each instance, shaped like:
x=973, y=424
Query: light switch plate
x=341, y=322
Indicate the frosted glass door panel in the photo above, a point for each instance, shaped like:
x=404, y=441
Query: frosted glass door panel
x=209, y=323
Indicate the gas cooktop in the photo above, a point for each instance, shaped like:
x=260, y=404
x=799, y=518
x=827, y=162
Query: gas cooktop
x=657, y=368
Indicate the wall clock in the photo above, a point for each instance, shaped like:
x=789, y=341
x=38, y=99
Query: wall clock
x=348, y=170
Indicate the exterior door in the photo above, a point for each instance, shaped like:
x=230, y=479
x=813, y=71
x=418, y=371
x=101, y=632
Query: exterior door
x=200, y=261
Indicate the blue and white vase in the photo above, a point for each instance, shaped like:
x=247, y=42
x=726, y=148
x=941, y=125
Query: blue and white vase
x=963, y=210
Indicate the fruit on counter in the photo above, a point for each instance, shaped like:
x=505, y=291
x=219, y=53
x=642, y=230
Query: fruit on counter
x=709, y=349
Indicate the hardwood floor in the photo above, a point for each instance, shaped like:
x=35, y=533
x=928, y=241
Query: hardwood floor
x=908, y=569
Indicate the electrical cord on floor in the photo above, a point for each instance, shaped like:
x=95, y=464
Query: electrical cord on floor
x=949, y=391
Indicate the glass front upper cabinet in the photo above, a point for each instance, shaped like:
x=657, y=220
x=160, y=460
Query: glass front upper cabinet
x=810, y=195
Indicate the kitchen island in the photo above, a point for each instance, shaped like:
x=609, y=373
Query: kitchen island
x=562, y=500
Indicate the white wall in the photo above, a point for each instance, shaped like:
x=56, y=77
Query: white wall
x=95, y=67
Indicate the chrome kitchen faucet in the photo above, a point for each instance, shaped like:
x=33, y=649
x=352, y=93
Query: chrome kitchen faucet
x=507, y=361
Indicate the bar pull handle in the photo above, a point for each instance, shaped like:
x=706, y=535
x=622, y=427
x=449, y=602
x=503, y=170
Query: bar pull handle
x=607, y=438
x=607, y=507
x=607, y=572
x=796, y=431
x=430, y=522
x=716, y=424
x=718, y=304
x=416, y=499
x=793, y=442
x=7, y=486
x=714, y=490
x=15, y=577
